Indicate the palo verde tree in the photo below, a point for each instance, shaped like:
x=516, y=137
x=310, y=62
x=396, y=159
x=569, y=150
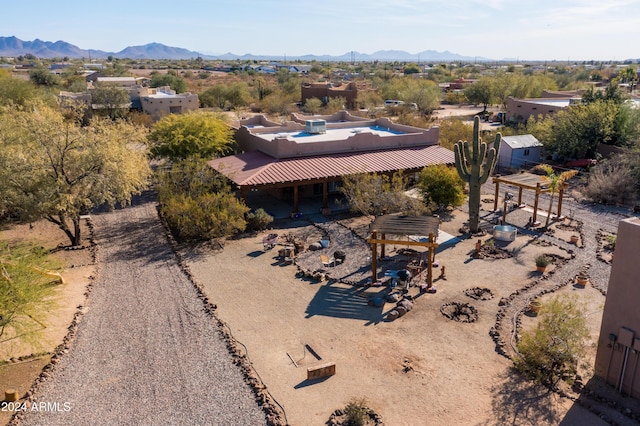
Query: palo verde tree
x=180, y=136
x=475, y=164
x=25, y=290
x=53, y=168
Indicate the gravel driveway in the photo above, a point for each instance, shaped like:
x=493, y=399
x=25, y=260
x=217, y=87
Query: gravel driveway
x=146, y=353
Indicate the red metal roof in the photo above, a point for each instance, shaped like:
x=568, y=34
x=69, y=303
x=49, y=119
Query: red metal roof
x=255, y=168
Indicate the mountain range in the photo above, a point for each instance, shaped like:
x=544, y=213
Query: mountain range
x=13, y=46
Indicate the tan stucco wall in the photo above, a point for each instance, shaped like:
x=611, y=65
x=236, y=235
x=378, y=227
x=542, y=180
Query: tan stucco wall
x=285, y=148
x=621, y=315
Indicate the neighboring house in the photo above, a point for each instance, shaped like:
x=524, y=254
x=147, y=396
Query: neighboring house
x=550, y=102
x=307, y=156
x=517, y=152
x=161, y=101
x=619, y=342
x=326, y=91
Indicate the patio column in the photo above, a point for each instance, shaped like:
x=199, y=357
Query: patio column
x=325, y=195
x=243, y=193
x=382, y=246
x=295, y=198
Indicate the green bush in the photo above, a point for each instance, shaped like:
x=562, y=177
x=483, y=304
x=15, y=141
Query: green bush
x=552, y=350
x=259, y=220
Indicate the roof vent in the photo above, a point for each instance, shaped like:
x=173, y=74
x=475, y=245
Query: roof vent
x=315, y=127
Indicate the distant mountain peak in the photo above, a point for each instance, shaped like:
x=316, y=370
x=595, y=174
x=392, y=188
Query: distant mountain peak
x=13, y=46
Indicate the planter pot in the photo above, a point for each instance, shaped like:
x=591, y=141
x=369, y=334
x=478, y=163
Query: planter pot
x=582, y=281
x=535, y=307
x=541, y=268
x=574, y=239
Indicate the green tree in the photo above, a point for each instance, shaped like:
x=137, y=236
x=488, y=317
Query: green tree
x=578, y=130
x=174, y=82
x=16, y=91
x=198, y=203
x=54, y=169
x=43, y=77
x=552, y=351
x=202, y=134
x=480, y=92
x=453, y=130
x=112, y=100
x=214, y=96
x=441, y=185
x=25, y=290
x=555, y=181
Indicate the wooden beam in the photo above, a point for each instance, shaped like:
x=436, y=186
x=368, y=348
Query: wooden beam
x=535, y=203
x=374, y=257
x=374, y=240
x=495, y=195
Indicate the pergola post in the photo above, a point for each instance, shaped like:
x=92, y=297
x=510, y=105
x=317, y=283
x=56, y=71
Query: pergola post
x=495, y=196
x=520, y=196
x=382, y=246
x=295, y=198
x=535, y=203
x=431, y=255
x=374, y=257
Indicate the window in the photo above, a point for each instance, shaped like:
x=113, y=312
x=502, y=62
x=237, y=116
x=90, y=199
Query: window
x=526, y=152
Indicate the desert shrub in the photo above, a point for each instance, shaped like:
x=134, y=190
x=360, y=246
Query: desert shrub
x=258, y=220
x=197, y=202
x=611, y=183
x=552, y=350
x=356, y=412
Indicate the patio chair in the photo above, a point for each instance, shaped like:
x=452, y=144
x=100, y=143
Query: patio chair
x=326, y=261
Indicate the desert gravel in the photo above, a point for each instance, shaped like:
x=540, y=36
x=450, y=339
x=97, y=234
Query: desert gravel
x=146, y=353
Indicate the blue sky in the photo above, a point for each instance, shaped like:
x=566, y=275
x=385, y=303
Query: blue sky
x=495, y=29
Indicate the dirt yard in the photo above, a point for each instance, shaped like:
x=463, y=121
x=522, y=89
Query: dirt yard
x=422, y=368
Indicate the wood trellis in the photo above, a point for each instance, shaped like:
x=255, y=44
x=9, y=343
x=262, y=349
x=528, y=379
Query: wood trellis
x=403, y=226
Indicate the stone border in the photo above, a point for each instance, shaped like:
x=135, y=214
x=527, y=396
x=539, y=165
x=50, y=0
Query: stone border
x=274, y=412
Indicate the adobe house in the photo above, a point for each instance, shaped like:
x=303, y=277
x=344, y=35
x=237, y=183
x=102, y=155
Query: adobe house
x=326, y=91
x=308, y=155
x=618, y=352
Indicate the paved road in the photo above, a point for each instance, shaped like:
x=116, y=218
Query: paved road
x=146, y=352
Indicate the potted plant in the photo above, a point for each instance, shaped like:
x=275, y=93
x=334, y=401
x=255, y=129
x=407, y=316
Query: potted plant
x=574, y=239
x=541, y=262
x=535, y=305
x=582, y=279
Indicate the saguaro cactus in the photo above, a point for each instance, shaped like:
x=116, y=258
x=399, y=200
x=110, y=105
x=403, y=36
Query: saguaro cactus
x=475, y=169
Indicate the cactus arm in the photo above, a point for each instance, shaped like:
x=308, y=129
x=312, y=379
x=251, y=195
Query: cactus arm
x=468, y=155
x=488, y=168
x=477, y=141
x=461, y=164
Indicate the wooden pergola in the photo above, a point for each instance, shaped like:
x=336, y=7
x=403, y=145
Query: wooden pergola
x=530, y=181
x=403, y=226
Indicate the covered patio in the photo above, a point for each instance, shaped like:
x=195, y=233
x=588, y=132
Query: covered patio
x=254, y=170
